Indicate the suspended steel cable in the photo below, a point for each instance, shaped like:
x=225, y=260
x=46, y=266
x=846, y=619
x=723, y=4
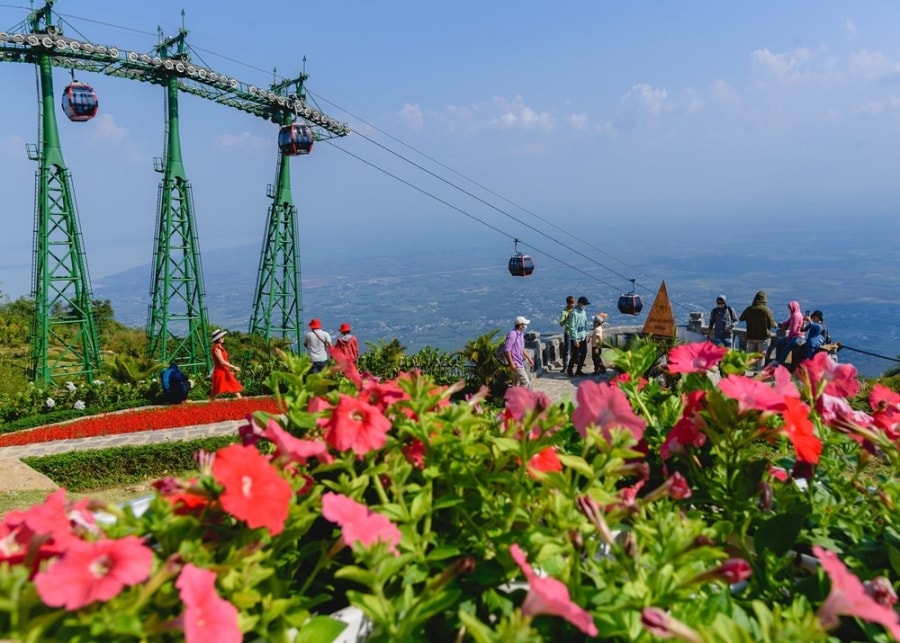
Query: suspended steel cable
x=474, y=182
x=859, y=350
x=464, y=212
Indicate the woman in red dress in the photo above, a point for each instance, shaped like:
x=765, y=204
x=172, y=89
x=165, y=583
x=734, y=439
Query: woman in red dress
x=223, y=379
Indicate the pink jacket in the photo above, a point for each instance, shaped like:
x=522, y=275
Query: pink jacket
x=793, y=324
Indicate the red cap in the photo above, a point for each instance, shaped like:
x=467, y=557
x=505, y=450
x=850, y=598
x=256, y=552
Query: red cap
x=345, y=327
x=315, y=324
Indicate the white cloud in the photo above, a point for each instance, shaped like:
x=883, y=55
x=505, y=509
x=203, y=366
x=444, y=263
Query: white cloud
x=579, y=121
x=413, y=115
x=13, y=144
x=872, y=64
x=496, y=113
x=244, y=139
x=103, y=128
x=850, y=27
x=646, y=98
x=787, y=68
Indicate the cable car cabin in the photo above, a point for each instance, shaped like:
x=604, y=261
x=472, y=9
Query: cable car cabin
x=295, y=139
x=79, y=102
x=521, y=265
x=630, y=304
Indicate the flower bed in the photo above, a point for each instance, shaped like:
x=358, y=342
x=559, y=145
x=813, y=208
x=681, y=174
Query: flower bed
x=143, y=419
x=666, y=503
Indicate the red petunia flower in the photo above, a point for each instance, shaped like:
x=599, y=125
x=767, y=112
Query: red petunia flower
x=695, y=358
x=382, y=394
x=94, y=571
x=848, y=597
x=207, y=616
x=885, y=405
x=799, y=428
x=358, y=523
x=545, y=462
x=550, y=596
x=356, y=426
x=688, y=431
x=414, y=452
x=607, y=407
x=254, y=492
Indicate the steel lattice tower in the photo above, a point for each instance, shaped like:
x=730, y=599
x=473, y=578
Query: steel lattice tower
x=277, y=304
x=278, y=300
x=64, y=333
x=177, y=327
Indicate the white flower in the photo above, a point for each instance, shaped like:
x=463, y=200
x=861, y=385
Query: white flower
x=70, y=387
x=49, y=403
x=98, y=382
x=79, y=405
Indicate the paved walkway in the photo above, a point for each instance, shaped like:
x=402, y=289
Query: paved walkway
x=16, y=476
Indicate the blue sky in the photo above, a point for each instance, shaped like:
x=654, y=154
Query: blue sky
x=611, y=120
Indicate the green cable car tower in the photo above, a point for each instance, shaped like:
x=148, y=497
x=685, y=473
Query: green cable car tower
x=177, y=327
x=64, y=333
x=277, y=303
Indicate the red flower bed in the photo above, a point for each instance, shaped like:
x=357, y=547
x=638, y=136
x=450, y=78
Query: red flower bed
x=147, y=419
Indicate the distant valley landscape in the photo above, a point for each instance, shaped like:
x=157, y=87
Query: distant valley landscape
x=444, y=296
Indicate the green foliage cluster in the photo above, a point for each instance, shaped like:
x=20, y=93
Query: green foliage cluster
x=98, y=468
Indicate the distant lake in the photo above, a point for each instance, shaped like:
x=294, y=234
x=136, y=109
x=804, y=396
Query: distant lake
x=443, y=296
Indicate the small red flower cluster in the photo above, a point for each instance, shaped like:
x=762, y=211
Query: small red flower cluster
x=145, y=419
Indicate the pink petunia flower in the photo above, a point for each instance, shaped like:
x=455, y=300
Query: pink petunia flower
x=824, y=375
x=357, y=426
x=358, y=523
x=848, y=597
x=550, y=596
x=520, y=400
x=660, y=624
x=752, y=394
x=414, y=452
x=94, y=571
x=382, y=394
x=606, y=407
x=293, y=449
x=207, y=616
x=698, y=357
x=254, y=492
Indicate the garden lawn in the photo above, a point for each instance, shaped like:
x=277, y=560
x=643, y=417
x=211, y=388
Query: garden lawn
x=144, y=419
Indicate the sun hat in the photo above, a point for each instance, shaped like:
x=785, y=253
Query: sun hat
x=345, y=327
x=584, y=301
x=522, y=321
x=217, y=335
x=315, y=324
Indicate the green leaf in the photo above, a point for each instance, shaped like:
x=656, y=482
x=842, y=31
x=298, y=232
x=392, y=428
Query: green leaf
x=356, y=574
x=745, y=485
x=507, y=444
x=480, y=632
x=321, y=628
x=779, y=533
x=577, y=463
x=442, y=553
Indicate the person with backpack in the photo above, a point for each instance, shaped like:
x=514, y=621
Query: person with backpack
x=760, y=321
x=176, y=385
x=317, y=344
x=722, y=319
